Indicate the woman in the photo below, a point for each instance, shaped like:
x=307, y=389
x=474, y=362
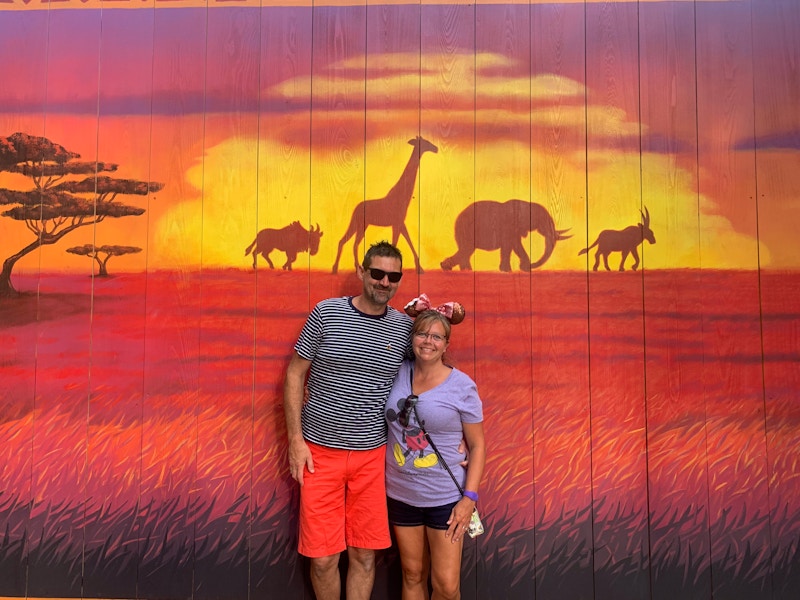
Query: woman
x=426, y=510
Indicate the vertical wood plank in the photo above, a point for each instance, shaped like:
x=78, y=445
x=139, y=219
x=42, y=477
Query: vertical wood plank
x=26, y=31
x=501, y=318
x=447, y=185
x=167, y=522
x=338, y=92
x=776, y=52
x=560, y=352
x=732, y=379
x=678, y=491
x=616, y=341
x=226, y=337
x=60, y=436
x=283, y=196
x=111, y=558
x=393, y=121
x=338, y=139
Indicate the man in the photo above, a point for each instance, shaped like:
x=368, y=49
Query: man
x=351, y=349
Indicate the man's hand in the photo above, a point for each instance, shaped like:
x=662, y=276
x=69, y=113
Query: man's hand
x=463, y=449
x=299, y=459
x=293, y=392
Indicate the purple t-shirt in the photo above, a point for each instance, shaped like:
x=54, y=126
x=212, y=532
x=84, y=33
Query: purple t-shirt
x=413, y=472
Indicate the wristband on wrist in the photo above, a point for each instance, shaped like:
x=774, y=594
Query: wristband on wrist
x=471, y=495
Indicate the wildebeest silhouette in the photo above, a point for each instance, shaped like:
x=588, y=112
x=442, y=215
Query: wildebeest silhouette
x=291, y=239
x=389, y=211
x=624, y=241
x=492, y=225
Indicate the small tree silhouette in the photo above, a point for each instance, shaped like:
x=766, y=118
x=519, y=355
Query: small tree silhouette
x=95, y=251
x=57, y=205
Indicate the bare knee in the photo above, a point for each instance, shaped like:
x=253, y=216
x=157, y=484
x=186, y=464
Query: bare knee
x=362, y=559
x=324, y=567
x=415, y=575
x=447, y=587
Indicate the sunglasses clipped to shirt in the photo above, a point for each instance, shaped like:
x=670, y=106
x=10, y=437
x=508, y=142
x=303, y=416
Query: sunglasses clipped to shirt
x=378, y=275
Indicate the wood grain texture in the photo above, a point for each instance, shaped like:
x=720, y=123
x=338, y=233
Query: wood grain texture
x=284, y=195
x=502, y=172
x=776, y=145
x=169, y=456
x=614, y=188
x=232, y=87
x=675, y=426
x=112, y=449
x=735, y=387
x=641, y=425
x=337, y=136
x=447, y=109
x=393, y=118
x=18, y=398
x=558, y=142
x=73, y=442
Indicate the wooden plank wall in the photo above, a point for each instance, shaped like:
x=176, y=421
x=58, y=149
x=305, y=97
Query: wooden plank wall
x=611, y=399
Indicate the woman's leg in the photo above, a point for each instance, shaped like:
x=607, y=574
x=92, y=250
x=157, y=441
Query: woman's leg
x=414, y=561
x=445, y=565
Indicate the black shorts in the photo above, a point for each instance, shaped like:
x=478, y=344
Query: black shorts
x=405, y=515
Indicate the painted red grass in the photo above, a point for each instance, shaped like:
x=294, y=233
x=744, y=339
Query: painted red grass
x=611, y=389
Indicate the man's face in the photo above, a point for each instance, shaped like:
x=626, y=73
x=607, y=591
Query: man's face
x=380, y=291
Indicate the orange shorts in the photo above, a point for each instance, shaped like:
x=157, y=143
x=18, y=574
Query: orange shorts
x=343, y=503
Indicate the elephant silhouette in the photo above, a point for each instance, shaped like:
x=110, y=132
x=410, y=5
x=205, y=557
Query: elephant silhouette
x=492, y=225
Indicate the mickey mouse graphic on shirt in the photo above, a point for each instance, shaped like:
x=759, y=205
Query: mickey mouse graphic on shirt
x=413, y=437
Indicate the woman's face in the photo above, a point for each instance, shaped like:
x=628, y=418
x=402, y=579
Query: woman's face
x=429, y=343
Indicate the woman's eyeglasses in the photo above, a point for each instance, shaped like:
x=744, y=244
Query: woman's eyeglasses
x=378, y=274
x=405, y=412
x=435, y=337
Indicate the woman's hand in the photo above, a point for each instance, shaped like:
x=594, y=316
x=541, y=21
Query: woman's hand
x=459, y=520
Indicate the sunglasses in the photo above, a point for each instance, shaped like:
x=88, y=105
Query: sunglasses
x=378, y=275
x=405, y=413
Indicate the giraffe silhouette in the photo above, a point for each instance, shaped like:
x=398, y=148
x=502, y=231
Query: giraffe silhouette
x=389, y=211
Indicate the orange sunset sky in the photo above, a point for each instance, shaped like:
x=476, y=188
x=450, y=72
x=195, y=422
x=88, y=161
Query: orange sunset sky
x=254, y=118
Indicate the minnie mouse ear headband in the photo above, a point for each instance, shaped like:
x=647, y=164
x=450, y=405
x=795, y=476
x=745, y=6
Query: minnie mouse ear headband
x=454, y=311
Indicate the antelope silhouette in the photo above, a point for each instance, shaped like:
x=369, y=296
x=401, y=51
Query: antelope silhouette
x=624, y=241
x=389, y=211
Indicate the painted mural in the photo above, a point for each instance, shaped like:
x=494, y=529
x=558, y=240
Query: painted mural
x=611, y=189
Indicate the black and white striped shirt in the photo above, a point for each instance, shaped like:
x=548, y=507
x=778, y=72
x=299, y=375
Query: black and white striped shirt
x=354, y=360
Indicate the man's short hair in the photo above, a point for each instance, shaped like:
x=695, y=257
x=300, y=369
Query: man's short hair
x=382, y=248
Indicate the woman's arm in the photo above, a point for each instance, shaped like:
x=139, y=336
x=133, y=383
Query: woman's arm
x=462, y=512
x=473, y=433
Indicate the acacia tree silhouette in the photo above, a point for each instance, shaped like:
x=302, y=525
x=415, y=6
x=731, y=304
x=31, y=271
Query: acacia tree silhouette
x=56, y=204
x=95, y=252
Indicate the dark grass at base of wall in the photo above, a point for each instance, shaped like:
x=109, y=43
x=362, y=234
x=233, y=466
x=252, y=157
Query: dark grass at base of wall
x=250, y=556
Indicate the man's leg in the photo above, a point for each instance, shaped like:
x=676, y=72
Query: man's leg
x=360, y=573
x=366, y=519
x=325, y=578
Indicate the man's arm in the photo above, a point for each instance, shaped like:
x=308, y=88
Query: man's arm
x=293, y=396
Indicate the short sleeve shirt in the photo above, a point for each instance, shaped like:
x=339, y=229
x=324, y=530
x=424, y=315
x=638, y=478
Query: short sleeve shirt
x=413, y=472
x=354, y=359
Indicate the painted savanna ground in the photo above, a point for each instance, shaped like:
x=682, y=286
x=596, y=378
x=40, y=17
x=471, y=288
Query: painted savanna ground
x=639, y=445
